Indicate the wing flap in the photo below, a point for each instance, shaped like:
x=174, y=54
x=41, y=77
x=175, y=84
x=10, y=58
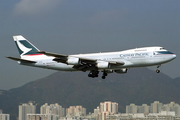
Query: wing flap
x=22, y=60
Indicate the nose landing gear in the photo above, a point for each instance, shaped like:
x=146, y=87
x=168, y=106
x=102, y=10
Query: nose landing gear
x=158, y=71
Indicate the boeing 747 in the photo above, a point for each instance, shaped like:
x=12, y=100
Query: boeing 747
x=107, y=62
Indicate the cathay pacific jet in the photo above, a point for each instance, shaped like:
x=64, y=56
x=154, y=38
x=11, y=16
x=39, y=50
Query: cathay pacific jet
x=107, y=62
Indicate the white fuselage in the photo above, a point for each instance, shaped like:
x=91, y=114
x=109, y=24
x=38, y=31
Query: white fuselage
x=139, y=57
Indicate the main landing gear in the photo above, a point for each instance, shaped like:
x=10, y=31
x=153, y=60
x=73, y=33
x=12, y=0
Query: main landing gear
x=94, y=73
x=104, y=75
x=158, y=71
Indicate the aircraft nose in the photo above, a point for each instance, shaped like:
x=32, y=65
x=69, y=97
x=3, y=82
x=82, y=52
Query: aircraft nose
x=174, y=56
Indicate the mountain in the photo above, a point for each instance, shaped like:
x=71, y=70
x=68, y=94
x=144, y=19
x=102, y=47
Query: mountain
x=177, y=79
x=138, y=86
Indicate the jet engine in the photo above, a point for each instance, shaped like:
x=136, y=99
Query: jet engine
x=108, y=71
x=121, y=71
x=73, y=61
x=102, y=65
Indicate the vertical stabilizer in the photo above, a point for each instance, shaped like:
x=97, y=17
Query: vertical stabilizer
x=25, y=48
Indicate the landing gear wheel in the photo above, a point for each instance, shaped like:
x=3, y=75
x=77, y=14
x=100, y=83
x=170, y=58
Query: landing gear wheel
x=158, y=71
x=93, y=74
x=104, y=74
x=89, y=75
x=103, y=77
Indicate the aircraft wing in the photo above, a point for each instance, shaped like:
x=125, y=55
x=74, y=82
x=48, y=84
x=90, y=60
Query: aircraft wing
x=22, y=60
x=63, y=58
x=86, y=63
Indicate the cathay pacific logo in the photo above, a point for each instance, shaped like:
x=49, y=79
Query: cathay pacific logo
x=133, y=54
x=23, y=48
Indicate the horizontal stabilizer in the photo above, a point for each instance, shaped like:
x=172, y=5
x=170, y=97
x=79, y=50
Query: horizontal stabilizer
x=22, y=60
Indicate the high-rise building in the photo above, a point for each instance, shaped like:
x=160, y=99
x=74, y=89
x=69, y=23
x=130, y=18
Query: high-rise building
x=171, y=105
x=143, y=109
x=101, y=107
x=70, y=111
x=177, y=109
x=165, y=107
x=55, y=109
x=132, y=108
x=4, y=116
x=108, y=106
x=114, y=107
x=155, y=107
x=73, y=110
x=96, y=111
x=25, y=109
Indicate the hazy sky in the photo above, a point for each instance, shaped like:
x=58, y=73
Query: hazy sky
x=85, y=26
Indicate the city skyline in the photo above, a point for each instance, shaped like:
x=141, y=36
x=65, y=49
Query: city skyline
x=106, y=108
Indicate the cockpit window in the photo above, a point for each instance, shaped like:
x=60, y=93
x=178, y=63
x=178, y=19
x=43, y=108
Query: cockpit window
x=162, y=48
x=162, y=52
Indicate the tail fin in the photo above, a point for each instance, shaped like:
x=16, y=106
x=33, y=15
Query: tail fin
x=25, y=48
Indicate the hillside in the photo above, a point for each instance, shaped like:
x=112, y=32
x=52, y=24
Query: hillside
x=75, y=88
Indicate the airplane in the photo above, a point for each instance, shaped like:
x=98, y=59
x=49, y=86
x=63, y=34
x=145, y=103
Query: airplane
x=107, y=62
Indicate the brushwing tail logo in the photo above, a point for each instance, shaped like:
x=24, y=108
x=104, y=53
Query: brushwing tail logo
x=24, y=49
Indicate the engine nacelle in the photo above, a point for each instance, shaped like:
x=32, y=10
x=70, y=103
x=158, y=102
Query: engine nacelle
x=102, y=65
x=108, y=71
x=121, y=71
x=73, y=61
